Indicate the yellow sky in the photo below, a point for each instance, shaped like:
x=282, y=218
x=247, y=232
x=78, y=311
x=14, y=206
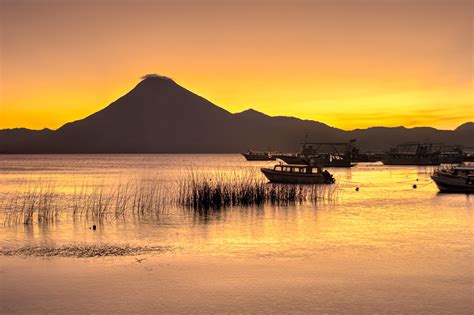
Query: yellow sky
x=348, y=63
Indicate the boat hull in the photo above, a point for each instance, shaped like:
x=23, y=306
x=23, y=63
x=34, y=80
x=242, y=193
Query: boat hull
x=336, y=164
x=258, y=157
x=411, y=160
x=452, y=184
x=454, y=159
x=292, y=178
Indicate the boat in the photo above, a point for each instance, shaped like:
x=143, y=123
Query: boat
x=331, y=160
x=457, y=179
x=424, y=154
x=468, y=154
x=298, y=174
x=368, y=157
x=413, y=154
x=258, y=156
x=452, y=154
x=324, y=160
x=291, y=158
x=324, y=154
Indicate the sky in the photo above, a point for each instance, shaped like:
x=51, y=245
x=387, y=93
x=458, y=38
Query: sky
x=348, y=63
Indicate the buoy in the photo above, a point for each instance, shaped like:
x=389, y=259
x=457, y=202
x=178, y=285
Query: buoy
x=94, y=227
x=357, y=188
x=414, y=186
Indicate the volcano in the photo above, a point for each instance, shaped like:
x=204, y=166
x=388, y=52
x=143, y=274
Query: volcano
x=160, y=116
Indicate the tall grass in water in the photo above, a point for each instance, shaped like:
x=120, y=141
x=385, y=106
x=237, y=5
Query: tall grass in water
x=44, y=204
x=148, y=198
x=35, y=204
x=139, y=198
x=244, y=189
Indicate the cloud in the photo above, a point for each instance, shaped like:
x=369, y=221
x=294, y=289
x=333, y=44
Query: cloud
x=154, y=75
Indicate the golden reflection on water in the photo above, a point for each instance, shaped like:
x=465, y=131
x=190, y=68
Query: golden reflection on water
x=386, y=214
x=384, y=248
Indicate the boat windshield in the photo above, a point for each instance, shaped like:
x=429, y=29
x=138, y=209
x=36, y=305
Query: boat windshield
x=303, y=169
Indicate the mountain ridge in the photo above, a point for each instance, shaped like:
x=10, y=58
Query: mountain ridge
x=160, y=116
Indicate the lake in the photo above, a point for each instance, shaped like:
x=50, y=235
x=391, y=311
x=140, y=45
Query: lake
x=384, y=247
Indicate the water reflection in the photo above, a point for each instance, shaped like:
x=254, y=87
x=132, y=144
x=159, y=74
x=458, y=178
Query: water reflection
x=386, y=214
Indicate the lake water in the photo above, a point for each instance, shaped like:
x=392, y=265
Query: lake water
x=384, y=248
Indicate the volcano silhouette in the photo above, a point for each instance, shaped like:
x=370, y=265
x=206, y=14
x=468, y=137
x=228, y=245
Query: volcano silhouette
x=160, y=116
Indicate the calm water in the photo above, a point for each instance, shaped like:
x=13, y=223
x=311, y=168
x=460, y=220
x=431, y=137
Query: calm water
x=385, y=214
x=386, y=227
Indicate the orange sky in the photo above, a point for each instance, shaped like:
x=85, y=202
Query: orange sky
x=348, y=63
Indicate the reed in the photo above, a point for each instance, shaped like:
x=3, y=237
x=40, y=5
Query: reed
x=202, y=193
x=136, y=198
x=45, y=204
x=34, y=204
x=148, y=198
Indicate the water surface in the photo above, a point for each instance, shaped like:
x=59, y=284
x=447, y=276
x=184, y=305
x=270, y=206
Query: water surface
x=385, y=234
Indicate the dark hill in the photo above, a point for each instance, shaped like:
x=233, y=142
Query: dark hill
x=159, y=116
x=469, y=126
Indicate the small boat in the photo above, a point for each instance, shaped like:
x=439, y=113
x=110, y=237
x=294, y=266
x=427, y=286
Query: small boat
x=457, y=179
x=324, y=154
x=323, y=160
x=258, y=156
x=298, y=174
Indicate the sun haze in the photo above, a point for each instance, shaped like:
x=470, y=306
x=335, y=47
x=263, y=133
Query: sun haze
x=350, y=64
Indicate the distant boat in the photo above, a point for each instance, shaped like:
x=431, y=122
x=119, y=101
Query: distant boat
x=291, y=158
x=368, y=157
x=452, y=154
x=324, y=154
x=258, y=156
x=468, y=157
x=332, y=160
x=458, y=179
x=297, y=174
x=413, y=154
x=423, y=154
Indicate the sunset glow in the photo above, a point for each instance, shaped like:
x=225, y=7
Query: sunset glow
x=350, y=64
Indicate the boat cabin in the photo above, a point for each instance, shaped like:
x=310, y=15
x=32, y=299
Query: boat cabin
x=463, y=171
x=297, y=169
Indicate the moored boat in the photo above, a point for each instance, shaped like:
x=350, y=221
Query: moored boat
x=258, y=156
x=298, y=174
x=324, y=154
x=424, y=154
x=457, y=179
x=323, y=160
x=413, y=154
x=452, y=154
x=291, y=158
